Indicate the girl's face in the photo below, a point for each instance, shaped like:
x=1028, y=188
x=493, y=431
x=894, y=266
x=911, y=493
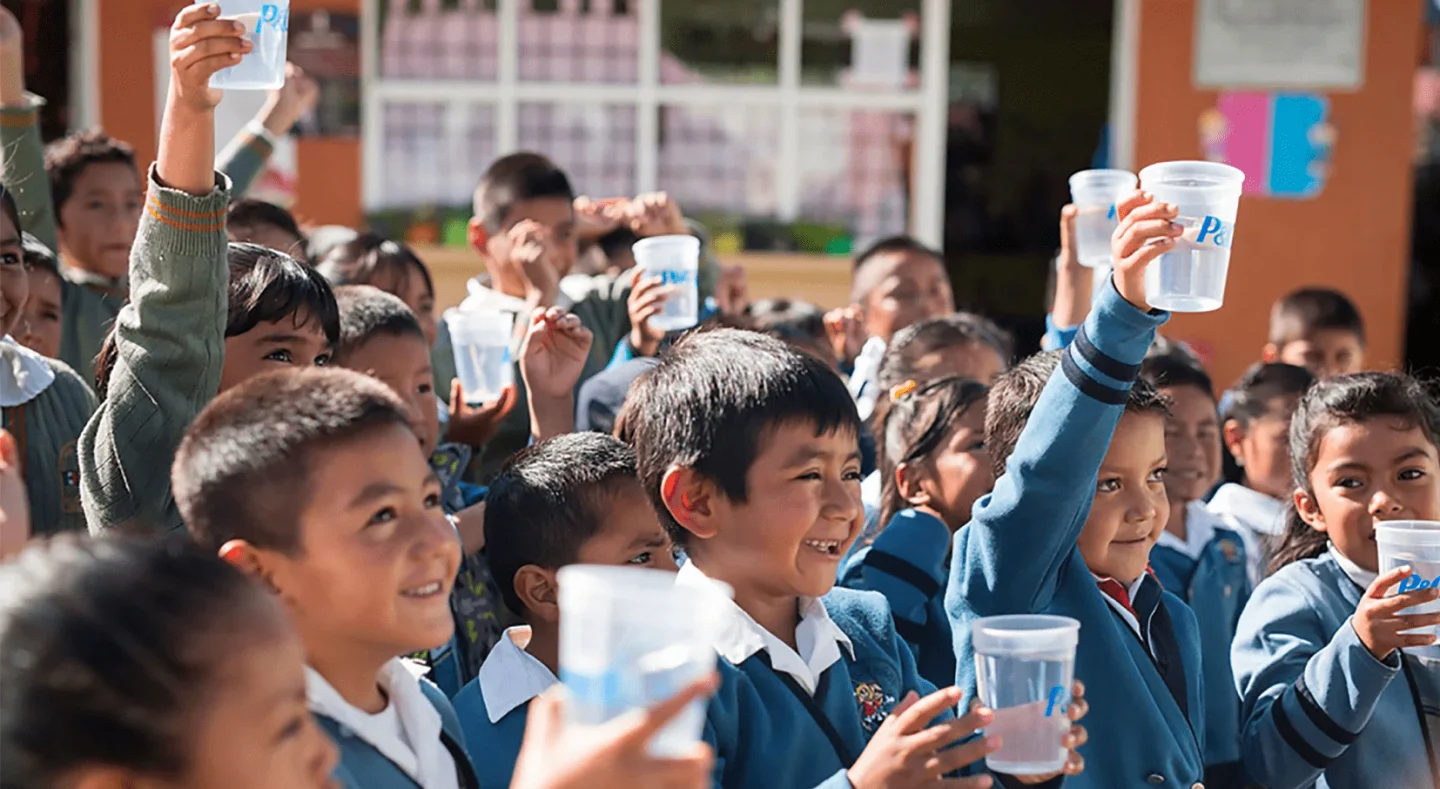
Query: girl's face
x=1262, y=448
x=41, y=328
x=957, y=473
x=1377, y=470
x=1192, y=443
x=417, y=296
x=294, y=341
x=14, y=283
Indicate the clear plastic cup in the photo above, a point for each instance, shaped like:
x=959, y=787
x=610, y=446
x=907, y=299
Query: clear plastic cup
x=481, y=344
x=1025, y=666
x=1416, y=543
x=676, y=261
x=1191, y=277
x=630, y=639
x=1094, y=193
x=267, y=25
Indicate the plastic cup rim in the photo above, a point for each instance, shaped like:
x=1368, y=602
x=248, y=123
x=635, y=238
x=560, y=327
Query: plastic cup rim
x=1227, y=175
x=673, y=239
x=1101, y=178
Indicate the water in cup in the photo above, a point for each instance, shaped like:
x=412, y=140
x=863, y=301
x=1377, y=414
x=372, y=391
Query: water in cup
x=676, y=261
x=267, y=25
x=481, y=345
x=1025, y=666
x=1416, y=543
x=1191, y=277
x=1094, y=193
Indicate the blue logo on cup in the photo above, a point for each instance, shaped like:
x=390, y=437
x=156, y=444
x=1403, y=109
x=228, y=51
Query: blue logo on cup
x=1416, y=583
x=675, y=276
x=1057, y=696
x=1112, y=214
x=1214, y=232
x=273, y=16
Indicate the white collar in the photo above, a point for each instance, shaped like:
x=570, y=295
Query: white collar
x=1199, y=531
x=1249, y=509
x=510, y=676
x=424, y=757
x=24, y=374
x=863, y=386
x=1358, y=574
x=481, y=296
x=740, y=637
x=1125, y=613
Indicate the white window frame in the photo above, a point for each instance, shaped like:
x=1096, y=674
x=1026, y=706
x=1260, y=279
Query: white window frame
x=929, y=103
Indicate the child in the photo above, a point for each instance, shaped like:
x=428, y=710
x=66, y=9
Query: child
x=572, y=499
x=139, y=663
x=176, y=344
x=748, y=451
x=258, y=222
x=935, y=467
x=799, y=323
x=1327, y=697
x=1318, y=329
x=1258, y=485
x=43, y=403
x=41, y=329
x=1078, y=446
x=1197, y=558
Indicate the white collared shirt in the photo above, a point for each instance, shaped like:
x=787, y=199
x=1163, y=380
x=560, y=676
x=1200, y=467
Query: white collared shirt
x=1199, y=531
x=24, y=374
x=1256, y=517
x=482, y=297
x=1125, y=613
x=510, y=676
x=415, y=747
x=740, y=637
x=863, y=385
x=1358, y=574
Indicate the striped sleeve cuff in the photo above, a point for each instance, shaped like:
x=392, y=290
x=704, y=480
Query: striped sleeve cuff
x=1104, y=358
x=199, y=218
x=21, y=116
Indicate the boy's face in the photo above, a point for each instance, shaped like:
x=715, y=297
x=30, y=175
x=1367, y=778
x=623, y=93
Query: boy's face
x=41, y=328
x=403, y=364
x=14, y=283
x=556, y=218
x=97, y=223
x=630, y=533
x=377, y=558
x=268, y=235
x=1325, y=352
x=909, y=287
x=1130, y=508
x=1192, y=443
x=1262, y=448
x=296, y=341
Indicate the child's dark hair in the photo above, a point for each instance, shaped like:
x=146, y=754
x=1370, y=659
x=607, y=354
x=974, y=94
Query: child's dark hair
x=374, y=260
x=796, y=322
x=513, y=179
x=108, y=647
x=621, y=239
x=548, y=501
x=1013, y=398
x=1173, y=370
x=1308, y=310
x=1347, y=400
x=68, y=156
x=248, y=213
x=913, y=349
x=862, y=284
x=38, y=257
x=709, y=402
x=1250, y=400
x=242, y=472
x=915, y=425
x=367, y=312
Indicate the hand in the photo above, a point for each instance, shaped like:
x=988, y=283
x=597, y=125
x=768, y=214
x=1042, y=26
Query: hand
x=474, y=426
x=1076, y=737
x=200, y=45
x=294, y=100
x=533, y=252
x=1380, y=624
x=14, y=506
x=655, y=214
x=905, y=753
x=553, y=353
x=647, y=299
x=596, y=218
x=613, y=757
x=846, y=331
x=1145, y=233
x=732, y=292
x=1069, y=247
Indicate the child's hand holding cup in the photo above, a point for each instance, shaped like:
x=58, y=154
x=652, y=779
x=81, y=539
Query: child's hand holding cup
x=1147, y=230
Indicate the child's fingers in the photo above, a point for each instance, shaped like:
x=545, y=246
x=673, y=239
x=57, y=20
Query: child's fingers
x=942, y=734
x=678, y=773
x=212, y=53
x=918, y=717
x=1075, y=764
x=1130, y=202
x=9, y=450
x=1153, y=210
x=952, y=759
x=210, y=28
x=1078, y=709
x=656, y=299
x=973, y=782
x=1076, y=737
x=1136, y=235
x=1390, y=606
x=655, y=718
x=1147, y=254
x=1413, y=621
x=190, y=15
x=1380, y=587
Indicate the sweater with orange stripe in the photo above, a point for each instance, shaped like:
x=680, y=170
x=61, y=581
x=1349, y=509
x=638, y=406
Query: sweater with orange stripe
x=171, y=343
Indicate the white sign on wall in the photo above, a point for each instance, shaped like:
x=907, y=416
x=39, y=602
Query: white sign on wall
x=1313, y=44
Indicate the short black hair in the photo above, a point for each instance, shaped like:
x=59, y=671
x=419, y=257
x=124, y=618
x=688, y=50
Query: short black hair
x=68, y=156
x=913, y=344
x=1013, y=398
x=242, y=471
x=1172, y=370
x=548, y=501
x=1308, y=310
x=791, y=320
x=247, y=212
x=1250, y=397
x=38, y=257
x=513, y=179
x=710, y=400
x=621, y=239
x=267, y=286
x=862, y=282
x=367, y=312
x=369, y=259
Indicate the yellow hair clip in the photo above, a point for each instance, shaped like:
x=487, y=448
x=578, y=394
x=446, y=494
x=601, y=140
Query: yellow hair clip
x=903, y=389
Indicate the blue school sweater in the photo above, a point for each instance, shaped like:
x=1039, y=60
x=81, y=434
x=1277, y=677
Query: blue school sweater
x=767, y=731
x=507, y=683
x=1318, y=709
x=1216, y=585
x=363, y=767
x=906, y=562
x=1019, y=555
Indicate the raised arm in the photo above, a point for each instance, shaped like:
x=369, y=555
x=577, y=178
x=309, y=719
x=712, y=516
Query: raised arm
x=22, y=153
x=245, y=156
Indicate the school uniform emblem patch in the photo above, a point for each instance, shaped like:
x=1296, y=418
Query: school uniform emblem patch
x=874, y=705
x=1231, y=551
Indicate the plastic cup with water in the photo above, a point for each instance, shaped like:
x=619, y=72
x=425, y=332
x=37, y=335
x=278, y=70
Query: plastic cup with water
x=1416, y=543
x=1094, y=193
x=1191, y=276
x=630, y=638
x=1025, y=666
x=267, y=25
x=676, y=261
x=481, y=343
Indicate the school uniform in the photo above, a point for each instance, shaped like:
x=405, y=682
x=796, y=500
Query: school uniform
x=863, y=374
x=1139, y=652
x=1318, y=708
x=45, y=405
x=494, y=706
x=1258, y=519
x=1208, y=570
x=414, y=743
x=907, y=563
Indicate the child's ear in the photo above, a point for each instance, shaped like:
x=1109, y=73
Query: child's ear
x=691, y=500
x=1270, y=353
x=1233, y=434
x=249, y=560
x=1306, y=508
x=910, y=479
x=476, y=235
x=537, y=590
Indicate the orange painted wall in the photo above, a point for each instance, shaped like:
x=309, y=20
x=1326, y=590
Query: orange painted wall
x=1354, y=237
x=329, y=168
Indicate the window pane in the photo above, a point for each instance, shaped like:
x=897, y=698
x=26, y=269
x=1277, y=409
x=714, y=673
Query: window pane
x=438, y=39
x=421, y=165
x=577, y=41
x=594, y=144
x=861, y=43
x=720, y=159
x=854, y=170
x=737, y=41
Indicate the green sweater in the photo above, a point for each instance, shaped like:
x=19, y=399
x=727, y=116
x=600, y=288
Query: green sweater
x=47, y=430
x=171, y=341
